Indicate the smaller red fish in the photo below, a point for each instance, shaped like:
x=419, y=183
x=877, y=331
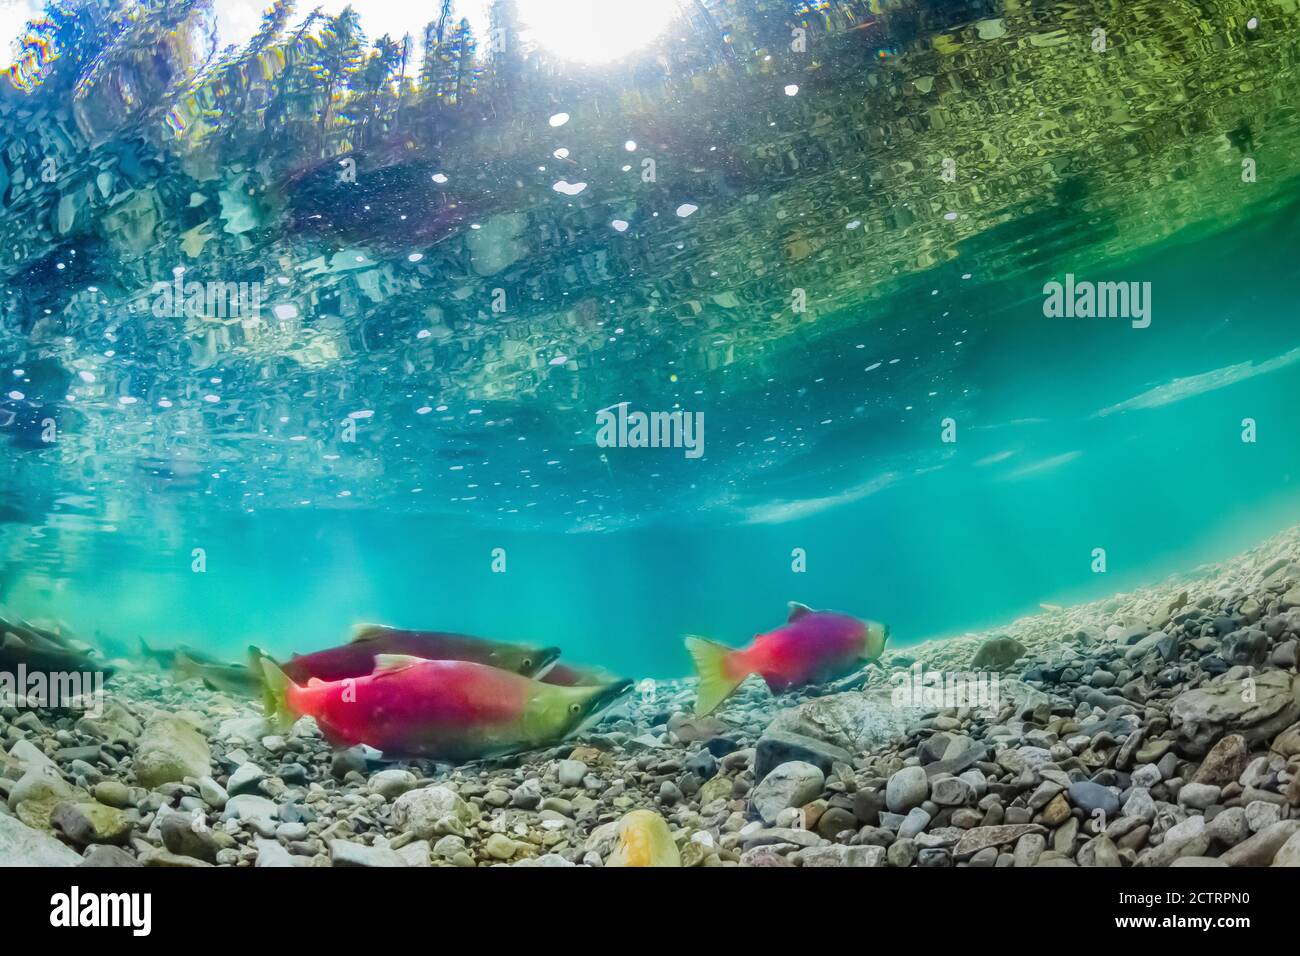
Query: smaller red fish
x=810, y=648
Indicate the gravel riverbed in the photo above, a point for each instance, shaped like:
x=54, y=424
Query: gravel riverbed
x=1155, y=728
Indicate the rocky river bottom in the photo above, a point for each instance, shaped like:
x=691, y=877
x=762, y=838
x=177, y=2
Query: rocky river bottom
x=1155, y=728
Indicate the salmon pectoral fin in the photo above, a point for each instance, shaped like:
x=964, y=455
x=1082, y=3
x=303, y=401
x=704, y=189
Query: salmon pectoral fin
x=721, y=670
x=255, y=657
x=391, y=663
x=276, y=693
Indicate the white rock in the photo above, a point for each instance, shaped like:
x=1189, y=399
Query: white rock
x=28, y=756
x=1289, y=854
x=449, y=846
x=1193, y=826
x=1140, y=805
x=347, y=853
x=39, y=783
x=20, y=845
x=907, y=788
x=245, y=779
x=391, y=784
x=547, y=859
x=570, y=773
x=272, y=854
x=248, y=806
x=212, y=793
x=1261, y=814
x=791, y=784
x=242, y=729
x=430, y=812
x=840, y=855
x=1230, y=827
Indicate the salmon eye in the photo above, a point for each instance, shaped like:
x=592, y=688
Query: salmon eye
x=528, y=662
x=575, y=708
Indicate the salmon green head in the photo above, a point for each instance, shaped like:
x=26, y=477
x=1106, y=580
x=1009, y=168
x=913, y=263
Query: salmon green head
x=554, y=712
x=877, y=635
x=523, y=659
x=529, y=661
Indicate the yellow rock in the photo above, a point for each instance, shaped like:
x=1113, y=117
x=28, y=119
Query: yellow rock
x=644, y=840
x=1056, y=812
x=588, y=755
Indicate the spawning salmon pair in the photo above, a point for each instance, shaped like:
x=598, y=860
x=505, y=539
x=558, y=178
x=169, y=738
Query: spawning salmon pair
x=432, y=694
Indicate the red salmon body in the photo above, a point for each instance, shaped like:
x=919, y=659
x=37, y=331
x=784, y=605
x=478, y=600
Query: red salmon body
x=811, y=647
x=446, y=708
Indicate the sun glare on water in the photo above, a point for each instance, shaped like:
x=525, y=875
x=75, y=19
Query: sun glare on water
x=594, y=31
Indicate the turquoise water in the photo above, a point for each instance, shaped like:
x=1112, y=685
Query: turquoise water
x=824, y=431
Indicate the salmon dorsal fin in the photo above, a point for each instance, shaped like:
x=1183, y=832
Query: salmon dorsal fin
x=368, y=632
x=388, y=663
x=797, y=611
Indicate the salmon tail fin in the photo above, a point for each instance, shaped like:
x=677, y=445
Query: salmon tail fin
x=874, y=646
x=275, y=690
x=255, y=657
x=183, y=667
x=718, y=679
